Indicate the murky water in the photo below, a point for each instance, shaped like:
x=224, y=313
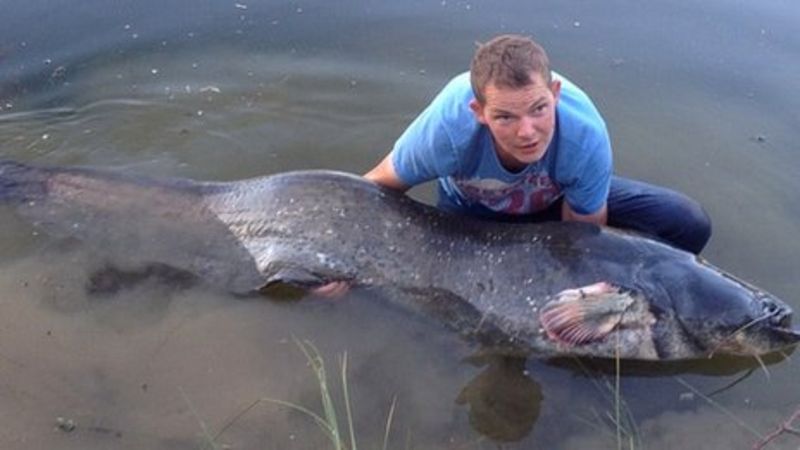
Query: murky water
x=699, y=96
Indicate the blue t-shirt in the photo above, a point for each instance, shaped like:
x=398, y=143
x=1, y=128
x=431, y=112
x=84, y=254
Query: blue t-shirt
x=446, y=142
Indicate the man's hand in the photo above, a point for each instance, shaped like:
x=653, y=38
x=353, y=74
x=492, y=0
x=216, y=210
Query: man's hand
x=332, y=290
x=598, y=218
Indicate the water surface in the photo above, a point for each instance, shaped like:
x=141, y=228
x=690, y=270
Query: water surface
x=698, y=96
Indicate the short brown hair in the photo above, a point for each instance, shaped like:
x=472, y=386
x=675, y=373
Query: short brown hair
x=507, y=61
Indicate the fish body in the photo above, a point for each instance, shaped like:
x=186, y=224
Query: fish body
x=553, y=289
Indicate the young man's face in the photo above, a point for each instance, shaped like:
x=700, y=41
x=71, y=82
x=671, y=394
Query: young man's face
x=522, y=121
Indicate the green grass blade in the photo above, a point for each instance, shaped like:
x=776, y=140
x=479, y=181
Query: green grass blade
x=347, y=403
x=324, y=425
x=210, y=440
x=327, y=420
x=329, y=411
x=389, y=423
x=720, y=408
x=617, y=396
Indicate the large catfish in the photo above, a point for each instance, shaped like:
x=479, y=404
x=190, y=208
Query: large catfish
x=550, y=289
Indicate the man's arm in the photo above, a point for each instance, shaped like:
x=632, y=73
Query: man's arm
x=600, y=217
x=385, y=175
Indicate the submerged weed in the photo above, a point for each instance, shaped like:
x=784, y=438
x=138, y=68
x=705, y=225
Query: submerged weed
x=617, y=422
x=328, y=420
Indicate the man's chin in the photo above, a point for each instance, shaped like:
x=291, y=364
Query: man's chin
x=521, y=159
x=530, y=157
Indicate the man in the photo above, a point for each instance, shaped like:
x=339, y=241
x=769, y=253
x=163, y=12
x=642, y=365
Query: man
x=512, y=141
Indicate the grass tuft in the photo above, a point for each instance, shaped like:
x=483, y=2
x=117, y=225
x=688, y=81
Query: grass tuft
x=617, y=422
x=327, y=420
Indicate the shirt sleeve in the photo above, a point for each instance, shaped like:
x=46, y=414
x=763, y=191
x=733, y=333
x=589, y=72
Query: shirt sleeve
x=427, y=150
x=588, y=190
x=424, y=151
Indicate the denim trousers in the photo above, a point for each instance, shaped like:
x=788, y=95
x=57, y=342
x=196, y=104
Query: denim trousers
x=661, y=213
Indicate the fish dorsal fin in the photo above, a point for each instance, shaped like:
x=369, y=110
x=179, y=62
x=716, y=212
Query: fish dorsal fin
x=583, y=315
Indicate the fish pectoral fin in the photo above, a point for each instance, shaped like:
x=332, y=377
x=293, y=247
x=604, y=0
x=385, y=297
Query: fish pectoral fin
x=583, y=315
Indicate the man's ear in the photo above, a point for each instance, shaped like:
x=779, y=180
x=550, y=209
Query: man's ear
x=555, y=88
x=477, y=109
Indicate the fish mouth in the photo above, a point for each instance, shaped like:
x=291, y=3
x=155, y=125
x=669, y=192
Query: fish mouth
x=778, y=313
x=779, y=321
x=771, y=331
x=785, y=336
x=758, y=341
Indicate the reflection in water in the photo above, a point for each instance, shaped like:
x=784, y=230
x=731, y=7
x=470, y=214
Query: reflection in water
x=503, y=401
x=718, y=366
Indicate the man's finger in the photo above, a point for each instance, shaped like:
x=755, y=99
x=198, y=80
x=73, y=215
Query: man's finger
x=334, y=289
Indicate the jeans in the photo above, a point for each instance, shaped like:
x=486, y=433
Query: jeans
x=656, y=211
x=659, y=212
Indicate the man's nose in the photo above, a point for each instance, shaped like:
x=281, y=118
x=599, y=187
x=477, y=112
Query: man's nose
x=527, y=127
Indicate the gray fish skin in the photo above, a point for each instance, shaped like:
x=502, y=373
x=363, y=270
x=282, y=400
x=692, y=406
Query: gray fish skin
x=486, y=280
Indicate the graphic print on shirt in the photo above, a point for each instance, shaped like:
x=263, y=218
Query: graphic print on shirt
x=532, y=193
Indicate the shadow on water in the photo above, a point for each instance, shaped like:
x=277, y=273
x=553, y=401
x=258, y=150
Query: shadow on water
x=505, y=399
x=718, y=366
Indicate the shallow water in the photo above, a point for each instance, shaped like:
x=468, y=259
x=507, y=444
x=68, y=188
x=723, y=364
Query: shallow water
x=699, y=96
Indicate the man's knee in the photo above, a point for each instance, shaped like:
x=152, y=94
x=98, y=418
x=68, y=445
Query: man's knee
x=694, y=229
x=661, y=212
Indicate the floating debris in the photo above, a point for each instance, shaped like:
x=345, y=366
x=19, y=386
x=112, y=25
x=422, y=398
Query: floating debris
x=240, y=6
x=65, y=425
x=59, y=72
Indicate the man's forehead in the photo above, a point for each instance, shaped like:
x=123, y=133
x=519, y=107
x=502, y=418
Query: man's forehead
x=498, y=97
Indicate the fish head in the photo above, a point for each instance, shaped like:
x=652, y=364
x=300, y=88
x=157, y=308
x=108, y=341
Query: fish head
x=704, y=311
